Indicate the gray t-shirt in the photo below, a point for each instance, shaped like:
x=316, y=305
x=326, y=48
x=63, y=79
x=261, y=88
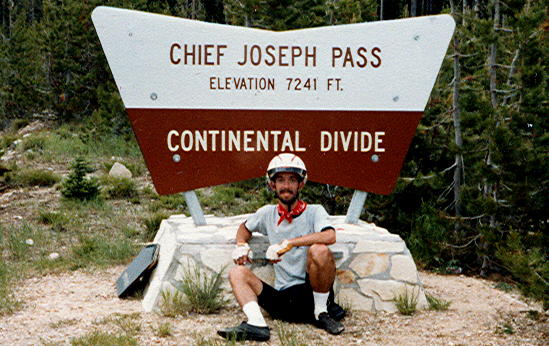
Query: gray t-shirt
x=292, y=269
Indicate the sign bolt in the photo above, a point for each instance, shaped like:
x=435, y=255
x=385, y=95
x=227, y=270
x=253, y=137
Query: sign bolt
x=154, y=96
x=375, y=158
x=416, y=38
x=176, y=158
x=395, y=98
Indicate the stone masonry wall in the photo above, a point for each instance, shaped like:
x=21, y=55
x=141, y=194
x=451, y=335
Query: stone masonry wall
x=373, y=265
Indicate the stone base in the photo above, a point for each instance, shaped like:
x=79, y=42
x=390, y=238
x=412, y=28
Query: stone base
x=373, y=265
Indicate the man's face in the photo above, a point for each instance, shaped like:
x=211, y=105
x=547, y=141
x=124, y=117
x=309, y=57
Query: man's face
x=286, y=186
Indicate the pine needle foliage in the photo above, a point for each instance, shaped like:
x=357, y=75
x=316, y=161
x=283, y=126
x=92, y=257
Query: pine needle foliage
x=77, y=185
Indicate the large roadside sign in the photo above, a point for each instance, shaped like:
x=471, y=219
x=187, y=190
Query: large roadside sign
x=212, y=104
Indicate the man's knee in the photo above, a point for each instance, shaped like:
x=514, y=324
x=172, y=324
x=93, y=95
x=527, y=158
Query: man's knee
x=239, y=273
x=320, y=253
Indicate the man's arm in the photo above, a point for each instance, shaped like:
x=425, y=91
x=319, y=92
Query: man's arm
x=243, y=234
x=242, y=237
x=326, y=237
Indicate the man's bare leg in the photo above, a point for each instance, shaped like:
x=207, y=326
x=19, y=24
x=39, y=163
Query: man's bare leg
x=321, y=269
x=246, y=286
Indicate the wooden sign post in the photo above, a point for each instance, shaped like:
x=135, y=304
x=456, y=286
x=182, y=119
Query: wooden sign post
x=212, y=104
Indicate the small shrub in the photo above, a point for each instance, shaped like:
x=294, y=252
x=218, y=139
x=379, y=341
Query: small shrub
x=6, y=140
x=117, y=187
x=406, y=302
x=77, y=186
x=202, y=290
x=18, y=124
x=504, y=286
x=103, y=338
x=32, y=177
x=164, y=330
x=152, y=224
x=437, y=304
x=34, y=143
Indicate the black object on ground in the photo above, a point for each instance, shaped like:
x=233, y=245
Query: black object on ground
x=137, y=274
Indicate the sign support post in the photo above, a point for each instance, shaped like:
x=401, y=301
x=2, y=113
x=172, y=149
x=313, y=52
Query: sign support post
x=356, y=206
x=194, y=208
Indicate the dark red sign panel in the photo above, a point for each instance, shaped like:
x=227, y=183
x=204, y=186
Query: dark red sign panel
x=192, y=148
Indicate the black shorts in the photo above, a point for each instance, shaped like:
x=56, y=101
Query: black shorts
x=293, y=304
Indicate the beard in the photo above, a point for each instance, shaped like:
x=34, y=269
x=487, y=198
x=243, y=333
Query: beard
x=290, y=201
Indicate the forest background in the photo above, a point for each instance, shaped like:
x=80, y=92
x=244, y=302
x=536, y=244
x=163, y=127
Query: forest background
x=473, y=192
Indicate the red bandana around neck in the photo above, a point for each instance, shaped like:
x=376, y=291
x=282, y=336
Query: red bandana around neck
x=289, y=215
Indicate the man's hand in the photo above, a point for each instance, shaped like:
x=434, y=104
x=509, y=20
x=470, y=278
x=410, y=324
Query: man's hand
x=242, y=254
x=275, y=251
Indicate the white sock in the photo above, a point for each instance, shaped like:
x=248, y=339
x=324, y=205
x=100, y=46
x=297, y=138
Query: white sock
x=255, y=317
x=321, y=303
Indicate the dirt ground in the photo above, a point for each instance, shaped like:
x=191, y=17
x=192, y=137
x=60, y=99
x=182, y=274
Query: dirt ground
x=58, y=308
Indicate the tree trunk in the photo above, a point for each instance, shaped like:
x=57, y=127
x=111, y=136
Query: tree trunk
x=456, y=113
x=413, y=8
x=489, y=189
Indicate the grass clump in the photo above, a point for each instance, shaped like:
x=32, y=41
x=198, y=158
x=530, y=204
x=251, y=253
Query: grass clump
x=164, y=330
x=77, y=186
x=288, y=335
x=103, y=338
x=198, y=292
x=118, y=187
x=57, y=221
x=437, y=304
x=202, y=290
x=173, y=304
x=32, y=177
x=127, y=323
x=406, y=302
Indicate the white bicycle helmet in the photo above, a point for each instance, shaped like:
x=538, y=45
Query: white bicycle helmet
x=286, y=163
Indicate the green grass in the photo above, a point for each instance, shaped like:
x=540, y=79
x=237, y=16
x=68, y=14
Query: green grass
x=104, y=339
x=202, y=290
x=101, y=251
x=8, y=303
x=437, y=304
x=198, y=292
x=32, y=177
x=129, y=324
x=173, y=304
x=163, y=330
x=289, y=335
x=406, y=301
x=58, y=221
x=152, y=224
x=118, y=188
x=34, y=142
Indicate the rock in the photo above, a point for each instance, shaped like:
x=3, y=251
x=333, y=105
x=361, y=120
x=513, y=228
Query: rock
x=345, y=276
x=378, y=246
x=29, y=242
x=403, y=268
x=53, y=256
x=120, y=171
x=32, y=127
x=385, y=289
x=357, y=301
x=370, y=264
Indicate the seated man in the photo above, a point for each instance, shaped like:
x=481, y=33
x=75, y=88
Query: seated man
x=299, y=235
